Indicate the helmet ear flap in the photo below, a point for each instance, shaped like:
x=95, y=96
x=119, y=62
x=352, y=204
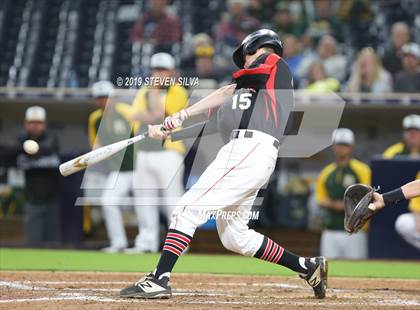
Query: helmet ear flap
x=239, y=57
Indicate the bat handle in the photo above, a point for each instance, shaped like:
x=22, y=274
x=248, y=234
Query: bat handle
x=146, y=134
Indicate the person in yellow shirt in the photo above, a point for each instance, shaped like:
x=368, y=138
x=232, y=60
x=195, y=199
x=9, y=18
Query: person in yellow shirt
x=410, y=146
x=159, y=166
x=331, y=184
x=108, y=124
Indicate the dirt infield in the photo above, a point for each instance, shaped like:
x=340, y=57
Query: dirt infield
x=99, y=290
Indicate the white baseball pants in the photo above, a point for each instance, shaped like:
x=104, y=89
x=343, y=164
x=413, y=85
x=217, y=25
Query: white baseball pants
x=339, y=244
x=405, y=225
x=158, y=183
x=117, y=187
x=230, y=183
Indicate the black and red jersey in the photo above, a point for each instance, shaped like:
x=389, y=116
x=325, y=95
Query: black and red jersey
x=263, y=98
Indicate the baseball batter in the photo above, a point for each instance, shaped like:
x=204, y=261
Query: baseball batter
x=251, y=117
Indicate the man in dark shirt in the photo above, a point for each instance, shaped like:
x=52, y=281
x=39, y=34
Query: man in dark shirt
x=157, y=27
x=408, y=80
x=37, y=154
x=233, y=27
x=400, y=35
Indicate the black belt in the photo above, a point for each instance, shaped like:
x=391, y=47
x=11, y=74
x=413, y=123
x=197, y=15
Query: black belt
x=249, y=134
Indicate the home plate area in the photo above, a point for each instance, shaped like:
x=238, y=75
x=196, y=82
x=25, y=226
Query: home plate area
x=100, y=290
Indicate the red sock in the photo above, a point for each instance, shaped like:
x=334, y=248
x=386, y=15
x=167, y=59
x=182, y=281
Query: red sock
x=175, y=244
x=272, y=252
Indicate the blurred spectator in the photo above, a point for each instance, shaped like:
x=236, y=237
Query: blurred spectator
x=410, y=146
x=358, y=16
x=262, y=10
x=204, y=68
x=200, y=39
x=108, y=124
x=157, y=26
x=159, y=165
x=408, y=224
x=395, y=11
x=292, y=55
x=234, y=27
x=322, y=20
x=331, y=184
x=318, y=80
x=408, y=80
x=335, y=64
x=400, y=35
x=368, y=75
x=284, y=23
x=37, y=154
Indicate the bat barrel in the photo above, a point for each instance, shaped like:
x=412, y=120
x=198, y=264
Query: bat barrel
x=72, y=166
x=96, y=156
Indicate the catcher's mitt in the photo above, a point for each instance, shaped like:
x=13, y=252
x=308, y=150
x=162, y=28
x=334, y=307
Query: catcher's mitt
x=357, y=198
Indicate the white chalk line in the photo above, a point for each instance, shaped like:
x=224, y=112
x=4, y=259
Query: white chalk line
x=271, y=284
x=76, y=282
x=19, y=286
x=81, y=297
x=24, y=285
x=176, y=292
x=84, y=297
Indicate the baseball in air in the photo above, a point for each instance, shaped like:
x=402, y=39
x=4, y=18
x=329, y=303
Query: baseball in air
x=30, y=147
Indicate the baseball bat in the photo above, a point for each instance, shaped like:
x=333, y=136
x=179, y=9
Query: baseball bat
x=95, y=156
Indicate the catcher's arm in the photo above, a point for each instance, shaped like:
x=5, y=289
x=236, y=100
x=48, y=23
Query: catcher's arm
x=411, y=190
x=405, y=192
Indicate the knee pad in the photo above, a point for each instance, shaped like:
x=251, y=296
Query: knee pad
x=404, y=223
x=231, y=243
x=244, y=242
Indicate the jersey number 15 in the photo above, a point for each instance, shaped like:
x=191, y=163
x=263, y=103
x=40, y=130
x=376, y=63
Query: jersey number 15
x=243, y=101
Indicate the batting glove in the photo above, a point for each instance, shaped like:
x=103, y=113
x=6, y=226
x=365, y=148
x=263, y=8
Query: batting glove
x=175, y=120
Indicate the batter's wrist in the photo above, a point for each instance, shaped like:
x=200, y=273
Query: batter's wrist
x=183, y=114
x=393, y=197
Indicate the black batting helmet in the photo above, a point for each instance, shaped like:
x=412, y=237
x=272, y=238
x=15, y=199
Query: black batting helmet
x=255, y=40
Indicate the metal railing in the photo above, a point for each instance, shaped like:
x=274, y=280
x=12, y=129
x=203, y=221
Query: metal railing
x=356, y=99
x=26, y=45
